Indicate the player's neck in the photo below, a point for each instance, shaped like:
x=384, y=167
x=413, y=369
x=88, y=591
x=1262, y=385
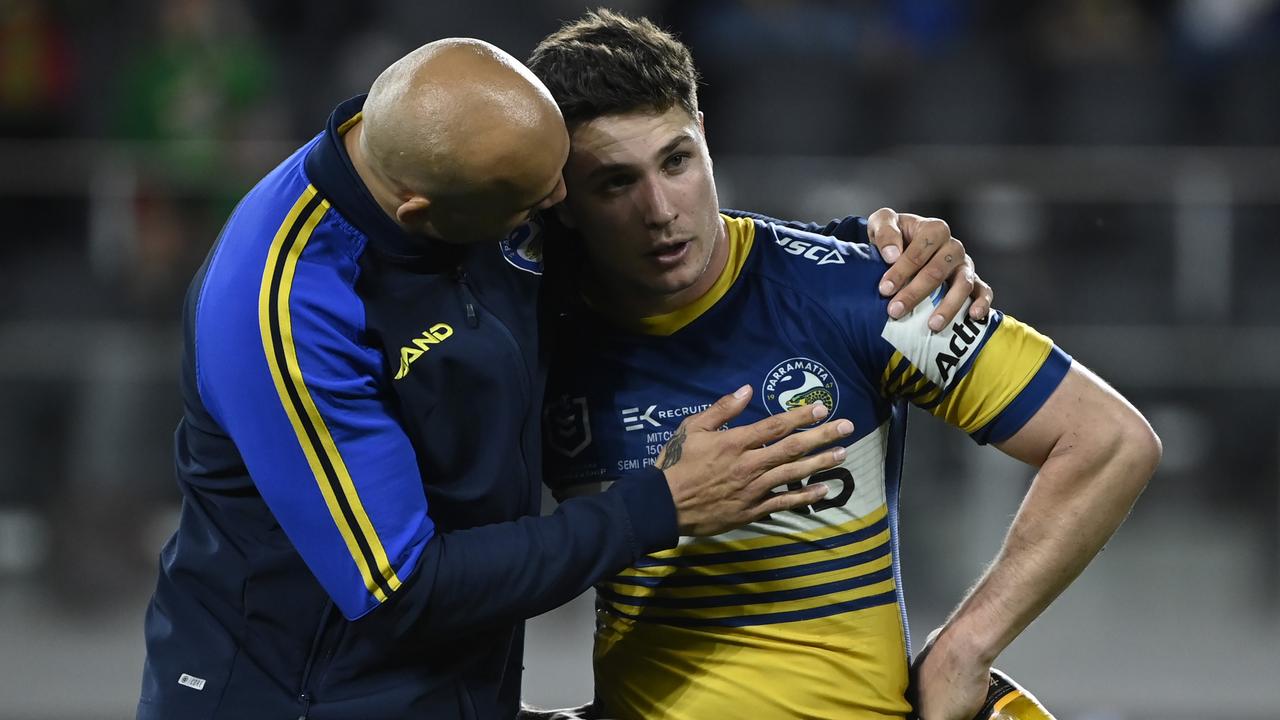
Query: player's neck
x=625, y=303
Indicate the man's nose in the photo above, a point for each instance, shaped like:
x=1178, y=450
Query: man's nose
x=658, y=209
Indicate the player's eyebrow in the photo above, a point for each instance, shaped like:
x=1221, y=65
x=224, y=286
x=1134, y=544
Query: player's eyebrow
x=675, y=142
x=671, y=146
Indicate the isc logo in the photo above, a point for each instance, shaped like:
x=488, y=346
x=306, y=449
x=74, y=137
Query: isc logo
x=811, y=251
x=433, y=335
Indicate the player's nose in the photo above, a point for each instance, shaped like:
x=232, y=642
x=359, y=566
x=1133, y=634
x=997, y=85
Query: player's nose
x=659, y=211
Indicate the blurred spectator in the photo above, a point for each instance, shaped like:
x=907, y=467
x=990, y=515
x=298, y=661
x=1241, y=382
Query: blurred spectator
x=35, y=71
x=36, y=99
x=190, y=94
x=1230, y=52
x=202, y=79
x=1214, y=26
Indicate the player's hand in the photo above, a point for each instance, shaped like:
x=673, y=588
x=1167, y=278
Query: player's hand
x=722, y=480
x=947, y=684
x=931, y=256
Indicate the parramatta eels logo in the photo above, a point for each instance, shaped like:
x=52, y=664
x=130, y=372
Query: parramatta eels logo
x=523, y=247
x=796, y=382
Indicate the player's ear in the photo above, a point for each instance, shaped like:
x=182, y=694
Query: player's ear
x=702, y=128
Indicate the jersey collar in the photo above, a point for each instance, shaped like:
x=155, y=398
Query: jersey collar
x=740, y=235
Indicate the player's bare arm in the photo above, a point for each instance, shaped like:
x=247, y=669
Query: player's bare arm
x=922, y=255
x=1095, y=453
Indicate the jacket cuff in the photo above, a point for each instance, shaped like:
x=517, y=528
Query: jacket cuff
x=647, y=499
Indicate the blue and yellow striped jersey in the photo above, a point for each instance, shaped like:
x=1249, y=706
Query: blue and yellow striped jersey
x=800, y=614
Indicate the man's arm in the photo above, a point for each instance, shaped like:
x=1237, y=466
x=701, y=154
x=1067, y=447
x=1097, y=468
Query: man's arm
x=340, y=476
x=1095, y=453
x=1006, y=384
x=714, y=481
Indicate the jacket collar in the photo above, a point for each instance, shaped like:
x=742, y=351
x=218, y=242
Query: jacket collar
x=329, y=168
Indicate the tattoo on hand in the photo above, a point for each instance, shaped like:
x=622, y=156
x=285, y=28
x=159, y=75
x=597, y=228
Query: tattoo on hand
x=949, y=259
x=675, y=446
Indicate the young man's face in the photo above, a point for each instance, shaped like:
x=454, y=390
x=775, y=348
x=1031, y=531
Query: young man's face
x=642, y=195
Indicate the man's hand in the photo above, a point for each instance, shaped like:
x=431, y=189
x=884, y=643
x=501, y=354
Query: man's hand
x=948, y=683
x=931, y=257
x=722, y=480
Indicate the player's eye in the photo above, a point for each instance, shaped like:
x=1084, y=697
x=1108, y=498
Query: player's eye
x=615, y=183
x=678, y=160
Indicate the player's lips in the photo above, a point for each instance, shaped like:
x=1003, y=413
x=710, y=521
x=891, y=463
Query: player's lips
x=669, y=254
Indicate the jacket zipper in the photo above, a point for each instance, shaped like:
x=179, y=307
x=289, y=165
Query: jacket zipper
x=304, y=695
x=467, y=297
x=470, y=300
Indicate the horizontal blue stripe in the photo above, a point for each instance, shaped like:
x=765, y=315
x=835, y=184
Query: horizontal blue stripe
x=712, y=601
x=1028, y=402
x=782, y=573
x=796, y=548
x=884, y=598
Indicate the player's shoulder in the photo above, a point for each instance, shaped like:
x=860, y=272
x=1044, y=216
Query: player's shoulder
x=821, y=266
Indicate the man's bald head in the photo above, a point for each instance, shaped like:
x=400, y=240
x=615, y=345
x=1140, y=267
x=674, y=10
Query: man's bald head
x=457, y=116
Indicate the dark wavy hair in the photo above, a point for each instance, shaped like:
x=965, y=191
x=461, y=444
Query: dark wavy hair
x=609, y=64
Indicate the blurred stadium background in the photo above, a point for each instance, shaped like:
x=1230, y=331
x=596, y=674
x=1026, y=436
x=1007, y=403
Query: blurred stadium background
x=1113, y=165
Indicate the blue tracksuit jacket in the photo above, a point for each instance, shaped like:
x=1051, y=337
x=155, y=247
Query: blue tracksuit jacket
x=360, y=464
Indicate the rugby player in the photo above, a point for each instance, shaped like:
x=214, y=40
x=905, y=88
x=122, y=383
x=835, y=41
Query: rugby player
x=799, y=614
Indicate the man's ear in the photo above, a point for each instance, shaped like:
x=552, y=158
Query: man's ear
x=565, y=216
x=413, y=212
x=702, y=128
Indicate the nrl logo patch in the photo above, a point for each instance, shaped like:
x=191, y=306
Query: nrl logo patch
x=796, y=382
x=523, y=247
x=567, y=425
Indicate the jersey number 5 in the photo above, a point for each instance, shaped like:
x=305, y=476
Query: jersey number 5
x=837, y=474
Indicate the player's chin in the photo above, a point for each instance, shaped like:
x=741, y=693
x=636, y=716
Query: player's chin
x=674, y=280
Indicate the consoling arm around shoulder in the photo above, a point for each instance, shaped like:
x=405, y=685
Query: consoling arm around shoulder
x=1096, y=453
x=305, y=401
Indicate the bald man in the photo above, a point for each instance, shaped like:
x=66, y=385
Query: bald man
x=460, y=142
x=359, y=454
